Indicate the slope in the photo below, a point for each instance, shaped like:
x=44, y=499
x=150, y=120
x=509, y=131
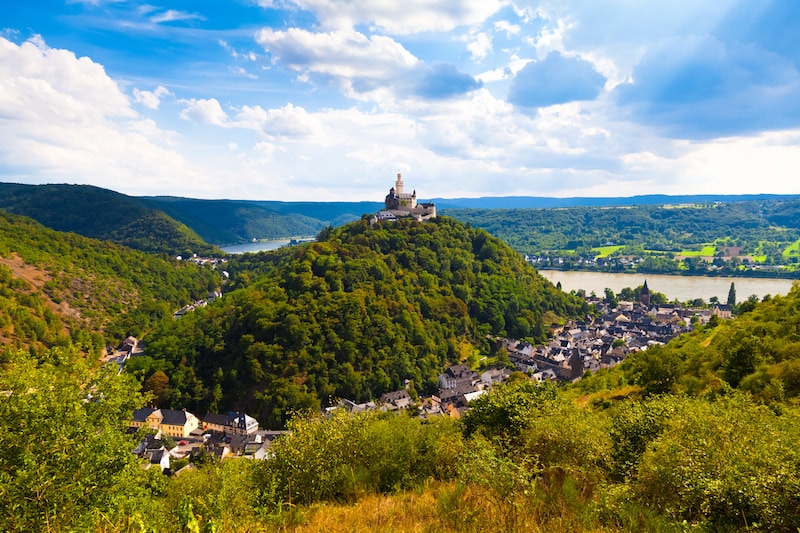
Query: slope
x=59, y=288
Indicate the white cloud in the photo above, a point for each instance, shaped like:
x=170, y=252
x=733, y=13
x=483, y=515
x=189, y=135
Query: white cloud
x=172, y=15
x=407, y=17
x=479, y=46
x=63, y=118
x=150, y=99
x=357, y=64
x=506, y=27
x=41, y=83
x=206, y=111
x=287, y=121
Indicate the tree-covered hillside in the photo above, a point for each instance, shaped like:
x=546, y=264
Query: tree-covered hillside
x=58, y=287
x=102, y=214
x=760, y=228
x=351, y=316
x=233, y=221
x=759, y=352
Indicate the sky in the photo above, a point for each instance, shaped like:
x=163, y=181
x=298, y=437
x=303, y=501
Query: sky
x=327, y=100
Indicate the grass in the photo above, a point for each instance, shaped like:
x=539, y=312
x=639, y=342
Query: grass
x=605, y=251
x=707, y=250
x=450, y=508
x=792, y=250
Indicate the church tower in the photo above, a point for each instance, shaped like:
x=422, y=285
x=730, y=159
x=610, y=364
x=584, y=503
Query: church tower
x=644, y=296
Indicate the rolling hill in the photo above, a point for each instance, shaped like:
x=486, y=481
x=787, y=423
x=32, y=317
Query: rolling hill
x=102, y=214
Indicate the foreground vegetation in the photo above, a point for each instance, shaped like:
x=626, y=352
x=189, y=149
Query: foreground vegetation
x=526, y=458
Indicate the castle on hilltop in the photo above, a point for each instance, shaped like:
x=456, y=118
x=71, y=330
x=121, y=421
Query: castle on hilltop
x=399, y=204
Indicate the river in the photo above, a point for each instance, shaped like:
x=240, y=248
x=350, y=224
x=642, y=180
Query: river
x=258, y=246
x=684, y=288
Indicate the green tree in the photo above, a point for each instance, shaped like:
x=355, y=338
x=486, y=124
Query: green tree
x=65, y=459
x=732, y=295
x=158, y=384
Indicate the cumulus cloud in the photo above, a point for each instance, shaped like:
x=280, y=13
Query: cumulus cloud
x=355, y=62
x=288, y=121
x=555, y=80
x=63, y=118
x=206, y=111
x=150, y=99
x=480, y=46
x=40, y=83
x=398, y=18
x=362, y=67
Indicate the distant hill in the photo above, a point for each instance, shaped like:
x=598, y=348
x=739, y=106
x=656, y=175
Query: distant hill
x=763, y=230
x=235, y=221
x=102, y=214
x=352, y=316
x=524, y=202
x=175, y=225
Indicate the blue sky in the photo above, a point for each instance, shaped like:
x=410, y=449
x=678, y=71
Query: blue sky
x=328, y=99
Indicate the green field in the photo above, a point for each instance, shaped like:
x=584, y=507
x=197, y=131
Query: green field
x=706, y=251
x=605, y=251
x=793, y=250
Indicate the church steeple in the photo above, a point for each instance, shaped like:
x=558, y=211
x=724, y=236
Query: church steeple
x=644, y=296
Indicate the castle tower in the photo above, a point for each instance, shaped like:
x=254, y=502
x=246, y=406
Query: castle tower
x=398, y=186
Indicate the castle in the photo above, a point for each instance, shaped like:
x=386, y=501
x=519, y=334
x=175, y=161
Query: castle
x=399, y=204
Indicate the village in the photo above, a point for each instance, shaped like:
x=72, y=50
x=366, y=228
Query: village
x=176, y=438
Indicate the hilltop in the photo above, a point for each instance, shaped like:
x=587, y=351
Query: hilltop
x=353, y=315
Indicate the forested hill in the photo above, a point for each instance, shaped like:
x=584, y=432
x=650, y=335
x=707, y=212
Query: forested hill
x=58, y=289
x=351, y=316
x=233, y=221
x=103, y=214
x=763, y=227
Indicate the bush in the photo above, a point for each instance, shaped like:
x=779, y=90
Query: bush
x=729, y=462
x=340, y=457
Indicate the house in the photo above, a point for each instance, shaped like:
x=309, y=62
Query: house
x=159, y=458
x=495, y=375
x=545, y=375
x=172, y=422
x=128, y=346
x=456, y=376
x=399, y=399
x=154, y=451
x=230, y=424
x=722, y=310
